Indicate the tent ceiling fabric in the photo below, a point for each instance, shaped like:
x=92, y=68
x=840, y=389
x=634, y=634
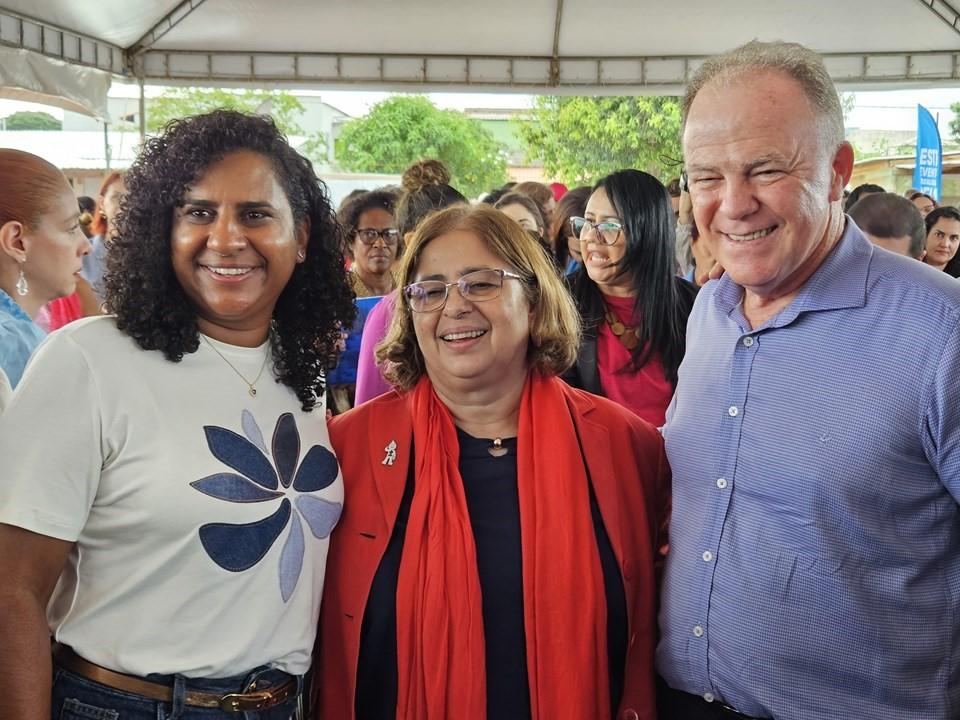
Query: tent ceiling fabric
x=28, y=76
x=562, y=46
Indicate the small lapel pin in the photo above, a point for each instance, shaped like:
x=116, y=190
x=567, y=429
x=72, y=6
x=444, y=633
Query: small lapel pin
x=391, y=456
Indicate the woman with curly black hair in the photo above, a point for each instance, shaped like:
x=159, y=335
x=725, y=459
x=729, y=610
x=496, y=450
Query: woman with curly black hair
x=176, y=531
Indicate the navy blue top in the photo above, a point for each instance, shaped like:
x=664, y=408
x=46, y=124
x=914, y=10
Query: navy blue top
x=490, y=486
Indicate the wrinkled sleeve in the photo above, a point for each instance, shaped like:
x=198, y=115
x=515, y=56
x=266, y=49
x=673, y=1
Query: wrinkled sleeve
x=50, y=443
x=370, y=381
x=941, y=434
x=5, y=390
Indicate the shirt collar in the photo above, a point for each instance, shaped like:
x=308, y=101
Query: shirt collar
x=8, y=305
x=839, y=282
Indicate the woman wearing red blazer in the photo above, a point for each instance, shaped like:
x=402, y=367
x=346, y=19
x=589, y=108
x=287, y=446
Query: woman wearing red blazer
x=496, y=554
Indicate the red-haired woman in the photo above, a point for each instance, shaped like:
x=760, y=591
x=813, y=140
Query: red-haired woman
x=41, y=248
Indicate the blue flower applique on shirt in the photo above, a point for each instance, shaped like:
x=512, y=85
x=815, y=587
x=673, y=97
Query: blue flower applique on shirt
x=239, y=547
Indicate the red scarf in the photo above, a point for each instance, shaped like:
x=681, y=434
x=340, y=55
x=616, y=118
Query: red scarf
x=440, y=642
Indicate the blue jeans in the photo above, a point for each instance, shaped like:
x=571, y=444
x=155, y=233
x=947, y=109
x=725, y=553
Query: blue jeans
x=77, y=698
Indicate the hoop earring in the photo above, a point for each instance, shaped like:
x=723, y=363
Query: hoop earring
x=22, y=287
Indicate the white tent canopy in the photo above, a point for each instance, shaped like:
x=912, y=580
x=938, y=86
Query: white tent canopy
x=539, y=46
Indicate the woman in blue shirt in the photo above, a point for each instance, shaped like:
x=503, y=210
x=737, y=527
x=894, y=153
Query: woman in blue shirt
x=41, y=252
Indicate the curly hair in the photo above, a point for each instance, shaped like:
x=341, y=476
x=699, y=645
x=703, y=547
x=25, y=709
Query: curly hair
x=352, y=208
x=143, y=292
x=423, y=173
x=425, y=189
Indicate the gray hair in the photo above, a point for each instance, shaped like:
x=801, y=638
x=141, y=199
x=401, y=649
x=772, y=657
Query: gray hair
x=792, y=59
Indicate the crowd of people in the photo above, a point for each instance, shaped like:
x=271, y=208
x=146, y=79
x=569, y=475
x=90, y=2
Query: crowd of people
x=628, y=451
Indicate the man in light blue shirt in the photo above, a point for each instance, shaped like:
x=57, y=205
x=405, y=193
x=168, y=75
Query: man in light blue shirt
x=814, y=564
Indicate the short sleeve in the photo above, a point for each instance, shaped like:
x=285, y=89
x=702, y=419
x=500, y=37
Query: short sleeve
x=5, y=390
x=50, y=443
x=941, y=434
x=16, y=345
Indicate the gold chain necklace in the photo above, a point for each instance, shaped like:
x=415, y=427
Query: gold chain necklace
x=250, y=385
x=629, y=336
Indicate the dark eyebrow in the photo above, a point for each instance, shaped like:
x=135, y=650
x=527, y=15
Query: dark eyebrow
x=248, y=205
x=605, y=218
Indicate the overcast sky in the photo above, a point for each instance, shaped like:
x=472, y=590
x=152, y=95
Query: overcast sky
x=875, y=110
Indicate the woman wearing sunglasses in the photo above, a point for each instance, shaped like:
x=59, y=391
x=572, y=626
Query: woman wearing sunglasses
x=634, y=308
x=496, y=555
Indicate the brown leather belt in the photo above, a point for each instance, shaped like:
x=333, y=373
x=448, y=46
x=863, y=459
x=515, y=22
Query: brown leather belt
x=231, y=702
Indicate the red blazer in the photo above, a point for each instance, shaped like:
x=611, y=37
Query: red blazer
x=630, y=477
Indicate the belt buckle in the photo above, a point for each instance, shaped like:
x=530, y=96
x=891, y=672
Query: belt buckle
x=242, y=702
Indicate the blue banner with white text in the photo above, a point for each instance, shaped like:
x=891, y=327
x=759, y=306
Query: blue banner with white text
x=928, y=170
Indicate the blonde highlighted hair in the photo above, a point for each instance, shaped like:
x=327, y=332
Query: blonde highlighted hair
x=555, y=322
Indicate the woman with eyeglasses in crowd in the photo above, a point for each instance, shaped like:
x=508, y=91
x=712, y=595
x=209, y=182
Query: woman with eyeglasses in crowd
x=496, y=555
x=634, y=308
x=566, y=245
x=41, y=253
x=373, y=241
x=373, y=245
x=426, y=189
x=168, y=527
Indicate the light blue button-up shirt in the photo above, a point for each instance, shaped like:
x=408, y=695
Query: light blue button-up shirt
x=94, y=265
x=814, y=564
x=19, y=337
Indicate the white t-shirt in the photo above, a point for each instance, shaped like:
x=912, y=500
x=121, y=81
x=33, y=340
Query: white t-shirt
x=201, y=514
x=5, y=390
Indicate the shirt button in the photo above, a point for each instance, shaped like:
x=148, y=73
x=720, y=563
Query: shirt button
x=697, y=631
x=630, y=714
x=707, y=556
x=708, y=697
x=721, y=483
x=733, y=411
x=748, y=341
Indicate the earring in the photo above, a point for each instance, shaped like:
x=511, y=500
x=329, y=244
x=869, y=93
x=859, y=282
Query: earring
x=22, y=287
x=301, y=255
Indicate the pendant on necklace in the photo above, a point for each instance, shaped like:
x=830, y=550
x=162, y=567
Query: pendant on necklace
x=253, y=391
x=496, y=448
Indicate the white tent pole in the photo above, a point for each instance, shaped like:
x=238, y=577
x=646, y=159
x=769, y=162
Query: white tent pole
x=142, y=106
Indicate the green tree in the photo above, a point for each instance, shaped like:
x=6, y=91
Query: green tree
x=955, y=123
x=27, y=120
x=581, y=139
x=284, y=108
x=403, y=129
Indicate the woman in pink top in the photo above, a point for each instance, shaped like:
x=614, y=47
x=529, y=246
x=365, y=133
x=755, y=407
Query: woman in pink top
x=426, y=189
x=634, y=307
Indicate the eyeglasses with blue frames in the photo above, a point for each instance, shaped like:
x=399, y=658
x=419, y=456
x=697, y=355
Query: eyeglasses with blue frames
x=368, y=236
x=477, y=286
x=608, y=231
